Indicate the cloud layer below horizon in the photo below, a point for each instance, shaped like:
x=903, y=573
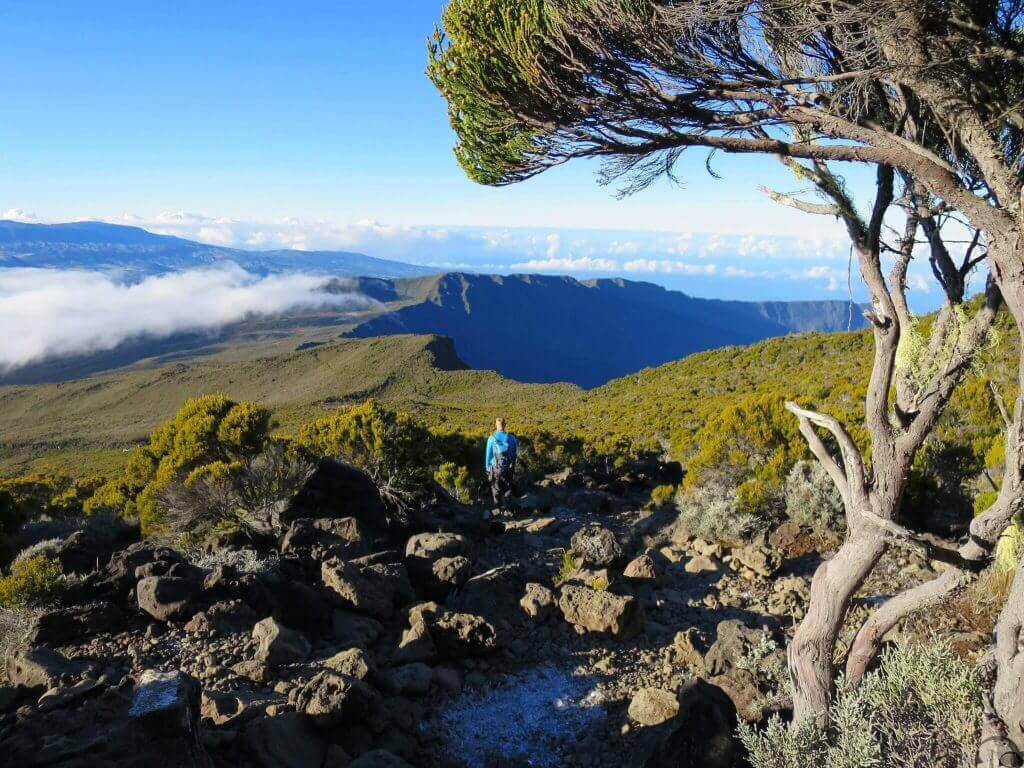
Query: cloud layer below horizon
x=722, y=265
x=54, y=313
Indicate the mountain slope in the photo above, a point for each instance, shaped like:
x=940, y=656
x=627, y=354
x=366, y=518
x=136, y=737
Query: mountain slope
x=84, y=425
x=546, y=329
x=138, y=253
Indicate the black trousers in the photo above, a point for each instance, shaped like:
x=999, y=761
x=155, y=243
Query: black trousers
x=501, y=485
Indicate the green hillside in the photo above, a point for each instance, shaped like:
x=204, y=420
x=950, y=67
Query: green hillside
x=713, y=410
x=85, y=425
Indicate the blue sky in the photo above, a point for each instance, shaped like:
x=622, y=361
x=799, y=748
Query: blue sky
x=311, y=124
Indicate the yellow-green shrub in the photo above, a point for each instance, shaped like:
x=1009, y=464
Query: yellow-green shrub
x=456, y=480
x=206, y=430
x=663, y=495
x=391, y=446
x=31, y=582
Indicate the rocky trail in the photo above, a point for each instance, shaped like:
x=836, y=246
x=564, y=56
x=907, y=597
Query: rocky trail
x=580, y=629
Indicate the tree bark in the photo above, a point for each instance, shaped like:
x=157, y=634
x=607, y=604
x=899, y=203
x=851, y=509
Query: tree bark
x=810, y=653
x=1008, y=695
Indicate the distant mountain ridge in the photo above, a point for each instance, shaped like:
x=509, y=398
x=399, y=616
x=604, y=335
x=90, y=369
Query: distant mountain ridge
x=545, y=329
x=139, y=253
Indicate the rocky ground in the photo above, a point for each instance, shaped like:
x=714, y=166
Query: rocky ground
x=579, y=629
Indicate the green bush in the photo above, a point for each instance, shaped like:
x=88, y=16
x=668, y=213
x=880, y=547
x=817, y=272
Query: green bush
x=663, y=496
x=713, y=512
x=206, y=431
x=750, y=446
x=31, y=582
x=395, y=449
x=238, y=495
x=921, y=707
x=457, y=481
x=812, y=499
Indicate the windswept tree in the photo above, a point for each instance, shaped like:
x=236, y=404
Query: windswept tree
x=927, y=92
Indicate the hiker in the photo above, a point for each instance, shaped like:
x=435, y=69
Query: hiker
x=500, y=462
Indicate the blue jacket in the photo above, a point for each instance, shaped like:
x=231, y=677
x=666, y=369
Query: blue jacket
x=505, y=443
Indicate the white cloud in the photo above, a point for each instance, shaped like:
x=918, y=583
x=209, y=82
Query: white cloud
x=51, y=312
x=654, y=266
x=582, y=263
x=554, y=241
x=833, y=276
x=17, y=214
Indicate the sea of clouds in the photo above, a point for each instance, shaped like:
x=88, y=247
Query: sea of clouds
x=51, y=313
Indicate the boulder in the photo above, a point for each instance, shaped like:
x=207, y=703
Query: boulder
x=373, y=588
x=351, y=629
x=90, y=548
x=288, y=740
x=701, y=735
x=733, y=640
x=740, y=685
x=702, y=564
x=757, y=558
x=42, y=668
x=123, y=564
x=69, y=695
x=688, y=648
x=343, y=537
x=166, y=598
x=416, y=644
x=599, y=611
x=165, y=704
x=538, y=602
x=276, y=644
x=336, y=489
x=412, y=678
x=432, y=546
x=457, y=635
x=596, y=545
x=230, y=617
x=354, y=662
x=378, y=758
x=61, y=626
x=448, y=573
x=437, y=562
x=493, y=594
x=233, y=707
x=641, y=568
x=333, y=699
x=653, y=706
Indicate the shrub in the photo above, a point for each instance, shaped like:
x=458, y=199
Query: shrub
x=1008, y=548
x=242, y=560
x=15, y=629
x=663, y=495
x=812, y=499
x=243, y=494
x=37, y=496
x=391, y=446
x=921, y=707
x=984, y=500
x=567, y=569
x=208, y=430
x=31, y=582
x=457, y=481
x=713, y=512
x=45, y=547
x=542, y=452
x=750, y=446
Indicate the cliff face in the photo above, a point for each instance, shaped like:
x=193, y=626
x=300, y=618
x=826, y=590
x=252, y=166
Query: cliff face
x=545, y=329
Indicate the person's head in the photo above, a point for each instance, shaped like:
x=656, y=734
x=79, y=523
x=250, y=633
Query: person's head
x=499, y=424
